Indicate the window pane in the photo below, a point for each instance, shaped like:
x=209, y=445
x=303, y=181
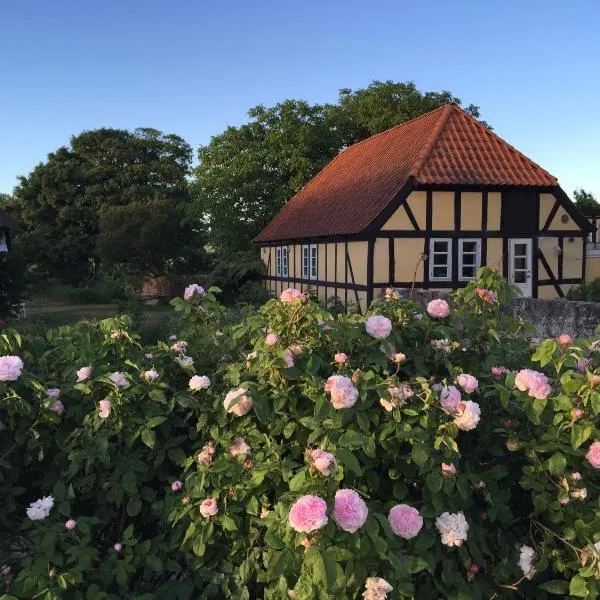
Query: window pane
x=440, y=246
x=469, y=259
x=519, y=277
x=520, y=263
x=440, y=259
x=469, y=247
x=520, y=249
x=440, y=272
x=468, y=272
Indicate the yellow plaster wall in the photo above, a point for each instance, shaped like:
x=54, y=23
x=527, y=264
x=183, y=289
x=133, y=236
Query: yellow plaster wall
x=546, y=204
x=558, y=225
x=592, y=268
x=470, y=211
x=572, y=258
x=381, y=261
x=321, y=262
x=494, y=210
x=547, y=292
x=357, y=252
x=400, y=221
x=406, y=255
x=443, y=211
x=494, y=254
x=547, y=245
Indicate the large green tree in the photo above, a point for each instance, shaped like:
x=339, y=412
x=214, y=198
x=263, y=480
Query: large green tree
x=58, y=203
x=247, y=173
x=585, y=200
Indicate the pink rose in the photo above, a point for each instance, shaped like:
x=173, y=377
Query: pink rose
x=193, y=289
x=378, y=327
x=271, y=339
x=237, y=402
x=205, y=457
x=340, y=358
x=467, y=382
x=467, y=415
x=290, y=296
x=199, y=382
x=376, y=588
x=593, y=455
x=343, y=392
x=398, y=357
x=119, y=380
x=58, y=407
x=181, y=346
x=83, y=374
x=350, y=511
x=118, y=547
x=149, y=355
x=104, y=408
x=177, y=486
x=307, y=514
x=449, y=398
x=322, y=461
x=209, y=508
x=289, y=358
x=448, y=470
x=497, y=372
x=115, y=335
x=438, y=309
x=564, y=339
x=239, y=447
x=53, y=392
x=533, y=382
x=71, y=524
x=405, y=521
x=150, y=375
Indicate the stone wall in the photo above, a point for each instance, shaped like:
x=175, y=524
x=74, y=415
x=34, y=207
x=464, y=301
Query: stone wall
x=549, y=317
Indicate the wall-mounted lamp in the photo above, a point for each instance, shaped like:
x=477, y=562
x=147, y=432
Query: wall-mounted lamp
x=558, y=249
x=565, y=218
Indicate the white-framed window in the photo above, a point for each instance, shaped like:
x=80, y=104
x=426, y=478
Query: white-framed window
x=3, y=242
x=313, y=261
x=309, y=261
x=281, y=261
x=440, y=259
x=469, y=258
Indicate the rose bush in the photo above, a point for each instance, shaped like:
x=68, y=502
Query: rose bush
x=288, y=453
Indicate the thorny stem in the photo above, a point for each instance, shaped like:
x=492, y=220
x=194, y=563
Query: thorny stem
x=558, y=537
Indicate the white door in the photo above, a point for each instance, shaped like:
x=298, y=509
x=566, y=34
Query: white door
x=519, y=265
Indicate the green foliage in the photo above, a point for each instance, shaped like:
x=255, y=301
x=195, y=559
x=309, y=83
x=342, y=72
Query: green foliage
x=103, y=291
x=145, y=238
x=585, y=200
x=58, y=203
x=516, y=477
x=588, y=292
x=247, y=173
x=12, y=283
x=234, y=269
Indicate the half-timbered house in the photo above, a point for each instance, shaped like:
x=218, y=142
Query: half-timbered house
x=426, y=203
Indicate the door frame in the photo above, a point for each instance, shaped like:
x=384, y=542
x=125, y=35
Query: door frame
x=526, y=288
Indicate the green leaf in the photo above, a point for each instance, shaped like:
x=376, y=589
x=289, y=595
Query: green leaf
x=351, y=440
x=155, y=422
x=273, y=540
x=154, y=563
x=414, y=564
x=556, y=586
x=134, y=506
x=198, y=547
x=434, y=481
x=189, y=532
x=580, y=434
x=263, y=408
x=557, y=463
x=297, y=481
x=578, y=587
x=349, y=461
x=228, y=523
x=149, y=437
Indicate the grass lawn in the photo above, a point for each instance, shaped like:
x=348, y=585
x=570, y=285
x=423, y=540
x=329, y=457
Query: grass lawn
x=153, y=320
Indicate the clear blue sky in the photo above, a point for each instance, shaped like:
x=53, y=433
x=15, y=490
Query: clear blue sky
x=192, y=67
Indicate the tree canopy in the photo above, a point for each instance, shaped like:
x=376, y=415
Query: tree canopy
x=585, y=200
x=247, y=173
x=58, y=203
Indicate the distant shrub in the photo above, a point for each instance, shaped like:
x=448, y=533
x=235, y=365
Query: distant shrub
x=104, y=291
x=588, y=292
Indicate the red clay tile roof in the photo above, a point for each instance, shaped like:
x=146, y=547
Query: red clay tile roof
x=446, y=146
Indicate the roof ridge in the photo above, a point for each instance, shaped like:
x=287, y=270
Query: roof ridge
x=495, y=136
x=368, y=139
x=430, y=142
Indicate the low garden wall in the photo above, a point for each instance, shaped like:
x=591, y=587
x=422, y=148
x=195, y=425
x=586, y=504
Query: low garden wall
x=549, y=317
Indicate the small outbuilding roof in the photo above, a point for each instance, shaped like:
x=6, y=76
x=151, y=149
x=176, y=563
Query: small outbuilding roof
x=443, y=147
